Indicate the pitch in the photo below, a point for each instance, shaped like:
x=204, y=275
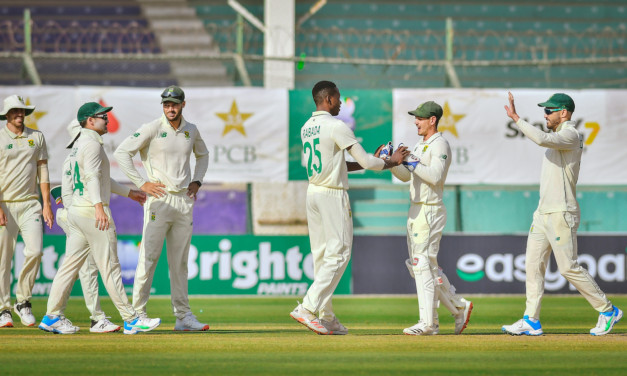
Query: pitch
x=257, y=336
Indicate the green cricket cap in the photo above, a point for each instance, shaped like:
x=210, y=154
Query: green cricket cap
x=173, y=93
x=427, y=109
x=90, y=109
x=561, y=101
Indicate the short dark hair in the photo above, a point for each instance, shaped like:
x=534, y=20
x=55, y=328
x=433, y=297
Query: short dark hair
x=83, y=123
x=321, y=90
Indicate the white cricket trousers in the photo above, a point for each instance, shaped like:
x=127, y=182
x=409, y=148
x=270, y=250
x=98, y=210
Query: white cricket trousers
x=330, y=224
x=22, y=217
x=171, y=218
x=88, y=274
x=85, y=238
x=425, y=224
x=557, y=232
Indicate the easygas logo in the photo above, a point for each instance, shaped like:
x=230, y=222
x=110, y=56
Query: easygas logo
x=262, y=270
x=507, y=267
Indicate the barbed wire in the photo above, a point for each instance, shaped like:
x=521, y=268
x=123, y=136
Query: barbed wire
x=470, y=47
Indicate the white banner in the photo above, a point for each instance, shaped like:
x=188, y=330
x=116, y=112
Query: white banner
x=488, y=148
x=245, y=129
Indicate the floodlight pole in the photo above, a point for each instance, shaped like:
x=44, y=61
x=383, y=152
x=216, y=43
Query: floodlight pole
x=239, y=51
x=451, y=74
x=27, y=59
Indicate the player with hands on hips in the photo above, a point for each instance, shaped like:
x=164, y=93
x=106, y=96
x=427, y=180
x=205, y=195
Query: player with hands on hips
x=556, y=220
x=165, y=146
x=329, y=217
x=90, y=228
x=23, y=175
x=427, y=167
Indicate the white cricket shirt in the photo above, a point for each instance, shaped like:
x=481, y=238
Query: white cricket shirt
x=427, y=180
x=324, y=140
x=165, y=153
x=89, y=170
x=560, y=165
x=18, y=163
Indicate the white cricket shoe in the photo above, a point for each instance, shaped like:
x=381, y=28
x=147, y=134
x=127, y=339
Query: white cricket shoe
x=140, y=324
x=606, y=322
x=6, y=319
x=103, y=326
x=523, y=326
x=334, y=327
x=57, y=325
x=422, y=329
x=463, y=317
x=25, y=313
x=303, y=316
x=190, y=323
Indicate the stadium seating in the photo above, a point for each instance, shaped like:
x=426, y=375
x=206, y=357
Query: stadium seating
x=76, y=27
x=494, y=30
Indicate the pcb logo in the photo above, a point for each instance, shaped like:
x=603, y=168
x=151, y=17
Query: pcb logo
x=136, y=135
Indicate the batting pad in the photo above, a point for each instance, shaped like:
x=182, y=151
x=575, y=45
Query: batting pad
x=425, y=288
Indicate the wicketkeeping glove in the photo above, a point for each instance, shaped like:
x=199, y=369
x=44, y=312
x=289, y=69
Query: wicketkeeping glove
x=387, y=151
x=410, y=162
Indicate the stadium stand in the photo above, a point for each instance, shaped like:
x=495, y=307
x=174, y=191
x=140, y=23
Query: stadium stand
x=415, y=30
x=74, y=27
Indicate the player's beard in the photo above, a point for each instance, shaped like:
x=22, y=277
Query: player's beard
x=177, y=117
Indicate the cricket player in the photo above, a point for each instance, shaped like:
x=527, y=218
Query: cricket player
x=23, y=163
x=90, y=227
x=555, y=221
x=329, y=215
x=88, y=274
x=165, y=145
x=427, y=167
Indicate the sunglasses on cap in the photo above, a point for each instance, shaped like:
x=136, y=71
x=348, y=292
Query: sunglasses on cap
x=170, y=94
x=549, y=111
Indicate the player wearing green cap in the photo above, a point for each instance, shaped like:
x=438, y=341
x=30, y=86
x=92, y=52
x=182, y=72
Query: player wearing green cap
x=555, y=222
x=165, y=146
x=427, y=167
x=91, y=227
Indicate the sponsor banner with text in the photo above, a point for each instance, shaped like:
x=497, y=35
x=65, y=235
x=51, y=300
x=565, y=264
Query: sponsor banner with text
x=245, y=129
x=488, y=148
x=217, y=265
x=484, y=264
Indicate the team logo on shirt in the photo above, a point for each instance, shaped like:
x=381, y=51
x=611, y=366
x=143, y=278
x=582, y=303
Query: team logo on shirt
x=9, y=146
x=136, y=135
x=153, y=216
x=425, y=148
x=163, y=135
x=186, y=134
x=31, y=143
x=444, y=156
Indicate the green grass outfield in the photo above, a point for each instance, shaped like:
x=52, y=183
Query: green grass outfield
x=257, y=336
